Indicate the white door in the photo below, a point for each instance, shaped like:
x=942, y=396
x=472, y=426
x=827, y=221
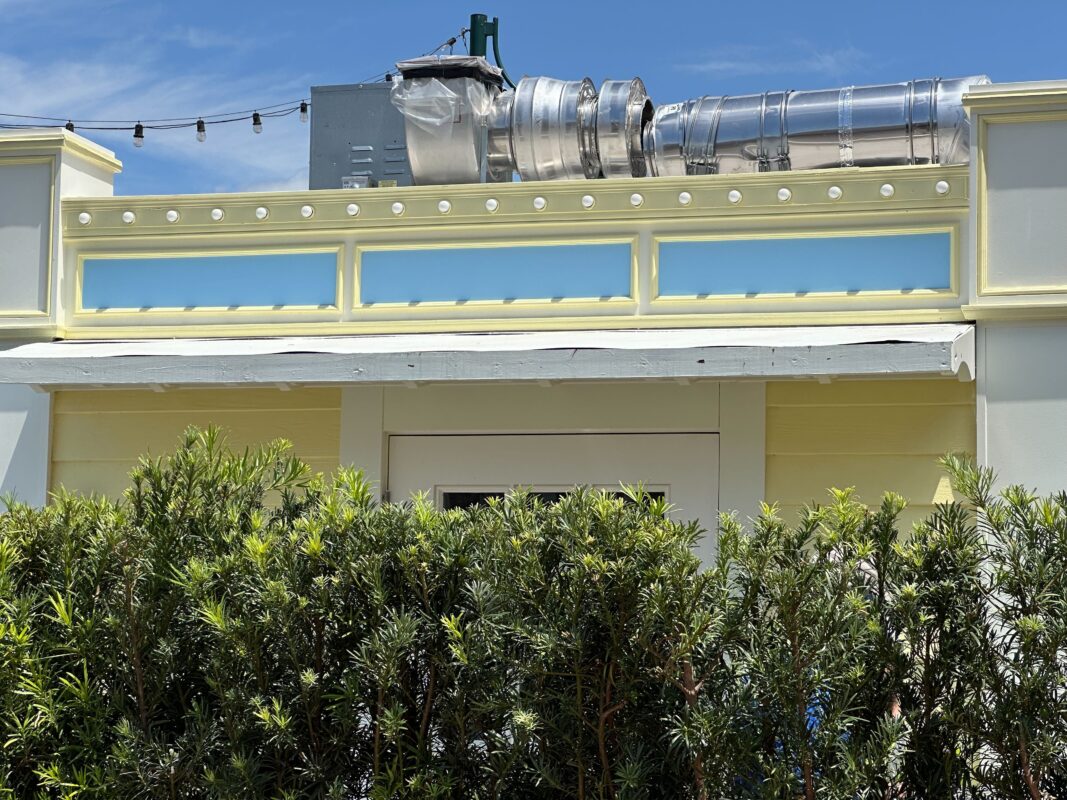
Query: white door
x=458, y=469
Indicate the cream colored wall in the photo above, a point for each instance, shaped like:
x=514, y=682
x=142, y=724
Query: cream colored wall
x=24, y=419
x=98, y=435
x=1022, y=391
x=1024, y=207
x=25, y=234
x=874, y=435
x=734, y=410
x=877, y=436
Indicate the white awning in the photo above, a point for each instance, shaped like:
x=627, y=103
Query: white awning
x=715, y=353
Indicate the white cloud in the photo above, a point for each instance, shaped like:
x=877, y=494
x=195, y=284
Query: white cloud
x=201, y=38
x=792, y=58
x=122, y=87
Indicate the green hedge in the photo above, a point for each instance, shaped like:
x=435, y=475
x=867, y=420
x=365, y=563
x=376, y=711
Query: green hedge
x=235, y=627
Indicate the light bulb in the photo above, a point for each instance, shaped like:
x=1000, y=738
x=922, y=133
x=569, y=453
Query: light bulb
x=201, y=131
x=257, y=122
x=138, y=135
x=303, y=111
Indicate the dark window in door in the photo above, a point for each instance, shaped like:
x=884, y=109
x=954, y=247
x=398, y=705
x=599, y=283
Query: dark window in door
x=450, y=500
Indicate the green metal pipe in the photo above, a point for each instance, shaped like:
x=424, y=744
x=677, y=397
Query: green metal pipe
x=481, y=29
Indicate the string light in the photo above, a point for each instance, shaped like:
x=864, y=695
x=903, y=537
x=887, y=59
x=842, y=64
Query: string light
x=200, y=123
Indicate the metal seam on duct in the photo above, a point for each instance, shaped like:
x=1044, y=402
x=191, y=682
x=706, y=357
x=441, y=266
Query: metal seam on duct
x=845, y=141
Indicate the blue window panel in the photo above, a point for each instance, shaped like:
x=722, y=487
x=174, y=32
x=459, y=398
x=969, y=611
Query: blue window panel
x=459, y=274
x=267, y=279
x=802, y=265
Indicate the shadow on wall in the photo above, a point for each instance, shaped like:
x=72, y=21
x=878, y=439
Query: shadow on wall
x=24, y=443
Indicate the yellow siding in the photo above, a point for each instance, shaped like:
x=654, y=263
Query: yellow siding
x=97, y=436
x=876, y=436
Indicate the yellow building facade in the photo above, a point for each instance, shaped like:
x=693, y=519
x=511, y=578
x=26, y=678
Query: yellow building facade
x=725, y=338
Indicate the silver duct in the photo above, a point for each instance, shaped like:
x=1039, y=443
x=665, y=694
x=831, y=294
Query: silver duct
x=918, y=122
x=549, y=129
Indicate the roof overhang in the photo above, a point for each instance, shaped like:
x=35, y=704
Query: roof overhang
x=716, y=354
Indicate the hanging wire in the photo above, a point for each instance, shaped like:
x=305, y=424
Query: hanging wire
x=274, y=111
x=449, y=42
x=163, y=124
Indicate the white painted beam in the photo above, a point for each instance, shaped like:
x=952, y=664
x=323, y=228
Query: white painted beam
x=746, y=353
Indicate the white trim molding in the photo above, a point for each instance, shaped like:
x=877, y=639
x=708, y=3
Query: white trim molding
x=697, y=354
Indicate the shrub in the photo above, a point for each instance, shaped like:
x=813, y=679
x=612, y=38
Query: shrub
x=235, y=627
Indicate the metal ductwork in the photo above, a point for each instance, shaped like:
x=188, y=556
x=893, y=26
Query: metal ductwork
x=549, y=129
x=918, y=122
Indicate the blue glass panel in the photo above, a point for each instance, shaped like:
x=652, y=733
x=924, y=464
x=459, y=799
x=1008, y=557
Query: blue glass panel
x=459, y=274
x=267, y=279
x=805, y=264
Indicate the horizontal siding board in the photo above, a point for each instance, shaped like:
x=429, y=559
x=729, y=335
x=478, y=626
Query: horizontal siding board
x=97, y=436
x=875, y=436
x=801, y=479
x=111, y=401
x=871, y=392
x=313, y=434
x=112, y=478
x=878, y=430
x=905, y=523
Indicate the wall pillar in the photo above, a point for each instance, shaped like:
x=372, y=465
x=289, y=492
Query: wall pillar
x=24, y=444
x=1022, y=408
x=1019, y=292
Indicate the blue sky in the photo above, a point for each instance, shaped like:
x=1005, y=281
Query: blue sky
x=124, y=59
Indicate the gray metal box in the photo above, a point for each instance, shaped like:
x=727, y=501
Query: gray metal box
x=356, y=133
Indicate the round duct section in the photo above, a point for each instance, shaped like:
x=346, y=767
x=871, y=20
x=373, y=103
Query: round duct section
x=917, y=122
x=623, y=110
x=549, y=130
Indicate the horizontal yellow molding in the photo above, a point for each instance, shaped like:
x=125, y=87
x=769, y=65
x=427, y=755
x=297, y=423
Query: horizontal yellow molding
x=22, y=331
x=1010, y=97
x=704, y=320
x=34, y=141
x=1021, y=310
x=614, y=201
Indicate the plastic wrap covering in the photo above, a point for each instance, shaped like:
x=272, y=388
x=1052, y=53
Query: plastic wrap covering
x=918, y=122
x=446, y=104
